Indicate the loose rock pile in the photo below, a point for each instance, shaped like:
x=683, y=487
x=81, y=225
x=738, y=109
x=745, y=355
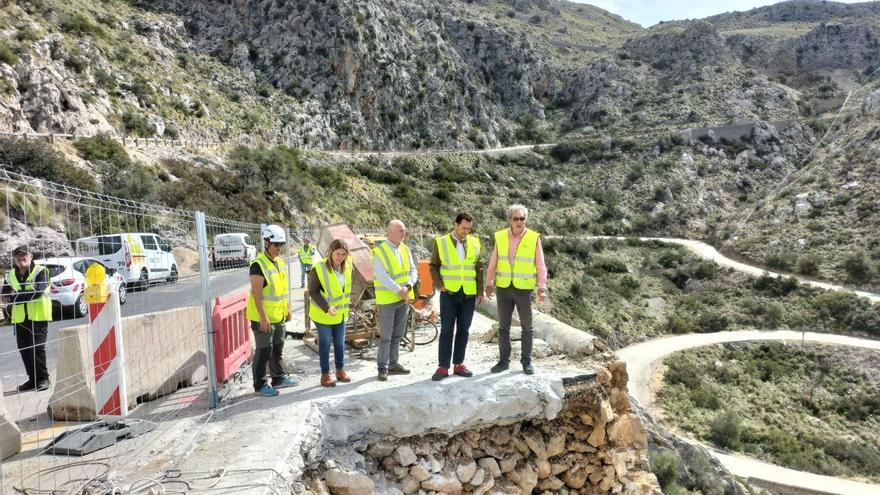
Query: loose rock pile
x=595, y=445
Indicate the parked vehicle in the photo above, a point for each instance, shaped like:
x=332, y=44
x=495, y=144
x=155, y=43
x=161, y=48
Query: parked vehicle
x=67, y=279
x=235, y=249
x=141, y=258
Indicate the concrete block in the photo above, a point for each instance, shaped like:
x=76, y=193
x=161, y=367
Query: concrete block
x=162, y=351
x=10, y=435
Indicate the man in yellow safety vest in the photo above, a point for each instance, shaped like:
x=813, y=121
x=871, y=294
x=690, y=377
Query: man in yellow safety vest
x=516, y=267
x=457, y=271
x=268, y=309
x=26, y=289
x=394, y=275
x=307, y=257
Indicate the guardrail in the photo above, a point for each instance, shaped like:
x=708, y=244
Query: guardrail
x=137, y=142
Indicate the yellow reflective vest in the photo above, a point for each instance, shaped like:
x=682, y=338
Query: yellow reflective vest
x=457, y=273
x=305, y=255
x=336, y=296
x=524, y=272
x=397, y=270
x=39, y=309
x=274, y=293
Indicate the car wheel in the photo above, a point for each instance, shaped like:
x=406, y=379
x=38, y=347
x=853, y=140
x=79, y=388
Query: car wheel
x=173, y=278
x=144, y=281
x=80, y=307
x=123, y=293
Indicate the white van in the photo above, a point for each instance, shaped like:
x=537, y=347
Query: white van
x=234, y=249
x=141, y=258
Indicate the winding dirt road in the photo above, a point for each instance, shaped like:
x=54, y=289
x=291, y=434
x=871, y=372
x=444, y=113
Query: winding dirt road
x=643, y=359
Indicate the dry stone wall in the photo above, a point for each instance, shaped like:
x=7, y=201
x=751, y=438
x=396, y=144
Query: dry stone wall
x=596, y=444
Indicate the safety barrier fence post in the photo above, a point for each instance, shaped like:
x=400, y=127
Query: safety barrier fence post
x=202, y=236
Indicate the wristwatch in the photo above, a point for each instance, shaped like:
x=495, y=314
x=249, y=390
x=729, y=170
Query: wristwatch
x=542, y=290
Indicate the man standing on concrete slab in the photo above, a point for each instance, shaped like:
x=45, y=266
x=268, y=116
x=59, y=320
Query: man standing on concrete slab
x=457, y=271
x=268, y=309
x=394, y=275
x=516, y=267
x=307, y=256
x=26, y=288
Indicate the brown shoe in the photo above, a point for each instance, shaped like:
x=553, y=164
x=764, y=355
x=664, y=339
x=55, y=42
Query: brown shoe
x=342, y=376
x=326, y=381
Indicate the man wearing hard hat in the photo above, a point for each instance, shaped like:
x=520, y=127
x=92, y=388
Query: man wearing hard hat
x=268, y=309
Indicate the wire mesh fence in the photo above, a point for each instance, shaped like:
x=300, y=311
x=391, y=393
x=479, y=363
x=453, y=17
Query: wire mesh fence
x=165, y=267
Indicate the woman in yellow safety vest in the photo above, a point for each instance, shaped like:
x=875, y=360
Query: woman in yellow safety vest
x=330, y=297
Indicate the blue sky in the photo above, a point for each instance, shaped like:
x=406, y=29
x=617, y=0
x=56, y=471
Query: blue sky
x=650, y=12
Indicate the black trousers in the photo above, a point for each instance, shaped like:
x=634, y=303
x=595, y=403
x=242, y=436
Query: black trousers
x=456, y=314
x=268, y=353
x=31, y=339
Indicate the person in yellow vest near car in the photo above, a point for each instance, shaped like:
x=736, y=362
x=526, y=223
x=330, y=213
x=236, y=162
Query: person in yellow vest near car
x=307, y=256
x=330, y=298
x=268, y=308
x=457, y=271
x=26, y=290
x=394, y=275
x=516, y=268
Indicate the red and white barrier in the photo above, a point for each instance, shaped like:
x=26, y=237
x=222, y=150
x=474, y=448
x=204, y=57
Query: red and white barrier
x=106, y=336
x=232, y=334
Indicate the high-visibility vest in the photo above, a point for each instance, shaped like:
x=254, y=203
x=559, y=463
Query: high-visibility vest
x=336, y=296
x=39, y=309
x=274, y=293
x=524, y=272
x=305, y=255
x=398, y=271
x=457, y=273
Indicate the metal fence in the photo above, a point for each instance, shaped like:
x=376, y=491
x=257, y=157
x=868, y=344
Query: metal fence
x=166, y=266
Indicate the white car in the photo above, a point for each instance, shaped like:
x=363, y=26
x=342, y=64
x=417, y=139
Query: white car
x=67, y=277
x=234, y=249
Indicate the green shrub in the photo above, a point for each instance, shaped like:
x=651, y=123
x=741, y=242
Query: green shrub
x=609, y=264
x=783, y=260
x=137, y=125
x=808, y=264
x=39, y=159
x=7, y=56
x=679, y=324
x=665, y=465
x=704, y=398
x=713, y=321
x=858, y=267
x=726, y=429
x=78, y=24
x=102, y=148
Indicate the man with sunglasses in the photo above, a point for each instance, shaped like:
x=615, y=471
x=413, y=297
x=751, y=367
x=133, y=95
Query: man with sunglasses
x=268, y=309
x=516, y=268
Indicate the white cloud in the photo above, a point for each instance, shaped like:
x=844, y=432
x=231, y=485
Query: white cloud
x=647, y=12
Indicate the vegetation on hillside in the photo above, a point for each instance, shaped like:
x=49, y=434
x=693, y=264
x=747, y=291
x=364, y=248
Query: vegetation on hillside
x=632, y=291
x=813, y=408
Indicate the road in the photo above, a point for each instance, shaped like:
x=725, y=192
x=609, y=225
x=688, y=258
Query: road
x=709, y=252
x=643, y=359
x=162, y=297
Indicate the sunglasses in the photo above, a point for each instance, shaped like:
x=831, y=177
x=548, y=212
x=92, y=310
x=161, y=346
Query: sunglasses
x=518, y=219
x=278, y=244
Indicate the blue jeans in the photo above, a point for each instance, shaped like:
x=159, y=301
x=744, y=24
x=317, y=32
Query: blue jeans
x=326, y=333
x=456, y=313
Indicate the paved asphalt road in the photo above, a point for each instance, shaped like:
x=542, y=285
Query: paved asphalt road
x=162, y=297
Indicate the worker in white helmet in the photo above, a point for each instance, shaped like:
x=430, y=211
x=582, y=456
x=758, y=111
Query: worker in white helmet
x=268, y=309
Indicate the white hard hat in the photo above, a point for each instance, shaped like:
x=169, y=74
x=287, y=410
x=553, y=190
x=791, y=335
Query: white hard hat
x=274, y=233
